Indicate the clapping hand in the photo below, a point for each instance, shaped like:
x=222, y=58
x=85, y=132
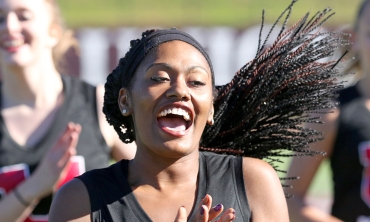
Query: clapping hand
x=52, y=167
x=208, y=213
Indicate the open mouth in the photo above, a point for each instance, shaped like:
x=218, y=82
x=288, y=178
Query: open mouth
x=174, y=119
x=12, y=44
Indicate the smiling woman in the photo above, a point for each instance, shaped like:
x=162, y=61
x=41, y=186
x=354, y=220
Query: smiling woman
x=40, y=149
x=162, y=95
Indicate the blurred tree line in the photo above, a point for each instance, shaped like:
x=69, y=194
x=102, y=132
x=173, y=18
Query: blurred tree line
x=177, y=13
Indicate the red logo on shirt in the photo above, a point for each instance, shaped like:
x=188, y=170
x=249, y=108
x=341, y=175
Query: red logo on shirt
x=11, y=176
x=364, y=152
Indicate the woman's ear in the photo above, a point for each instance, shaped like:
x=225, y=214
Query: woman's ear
x=124, y=102
x=55, y=35
x=210, y=119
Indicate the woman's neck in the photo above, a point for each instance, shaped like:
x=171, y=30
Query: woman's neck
x=161, y=172
x=34, y=86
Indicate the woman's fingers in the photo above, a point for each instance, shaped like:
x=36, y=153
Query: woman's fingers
x=70, y=143
x=207, y=200
x=203, y=214
x=55, y=162
x=181, y=215
x=227, y=216
x=215, y=211
x=64, y=137
x=203, y=209
x=207, y=213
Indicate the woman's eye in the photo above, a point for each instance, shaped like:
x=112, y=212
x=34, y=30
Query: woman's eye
x=25, y=16
x=159, y=79
x=197, y=83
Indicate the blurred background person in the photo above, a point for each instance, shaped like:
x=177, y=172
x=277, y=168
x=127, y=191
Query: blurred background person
x=346, y=142
x=39, y=148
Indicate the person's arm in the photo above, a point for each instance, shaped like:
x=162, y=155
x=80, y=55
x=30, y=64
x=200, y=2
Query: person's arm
x=19, y=203
x=71, y=203
x=119, y=150
x=264, y=191
x=305, y=168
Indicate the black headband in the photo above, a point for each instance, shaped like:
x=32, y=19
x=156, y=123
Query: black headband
x=140, y=48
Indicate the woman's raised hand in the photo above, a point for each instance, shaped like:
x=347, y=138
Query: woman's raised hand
x=208, y=213
x=52, y=167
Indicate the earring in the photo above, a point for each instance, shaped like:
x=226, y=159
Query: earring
x=124, y=111
x=211, y=122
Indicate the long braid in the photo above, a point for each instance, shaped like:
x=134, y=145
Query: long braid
x=259, y=113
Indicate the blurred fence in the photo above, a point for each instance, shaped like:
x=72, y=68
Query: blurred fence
x=100, y=49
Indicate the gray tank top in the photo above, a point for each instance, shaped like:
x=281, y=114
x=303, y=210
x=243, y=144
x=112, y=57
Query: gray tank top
x=112, y=199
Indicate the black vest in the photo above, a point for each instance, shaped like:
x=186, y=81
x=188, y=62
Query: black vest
x=79, y=106
x=349, y=160
x=112, y=199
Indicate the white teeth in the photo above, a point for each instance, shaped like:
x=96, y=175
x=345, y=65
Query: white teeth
x=175, y=111
x=13, y=43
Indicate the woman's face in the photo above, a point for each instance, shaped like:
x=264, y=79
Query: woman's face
x=26, y=35
x=171, y=99
x=362, y=39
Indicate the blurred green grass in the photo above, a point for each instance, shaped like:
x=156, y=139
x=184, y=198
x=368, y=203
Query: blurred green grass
x=321, y=185
x=171, y=13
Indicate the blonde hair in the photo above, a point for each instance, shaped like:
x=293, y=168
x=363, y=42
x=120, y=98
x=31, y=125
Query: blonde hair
x=353, y=60
x=354, y=66
x=67, y=40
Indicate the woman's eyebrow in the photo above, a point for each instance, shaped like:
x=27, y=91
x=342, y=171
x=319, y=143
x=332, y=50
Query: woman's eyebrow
x=166, y=65
x=188, y=70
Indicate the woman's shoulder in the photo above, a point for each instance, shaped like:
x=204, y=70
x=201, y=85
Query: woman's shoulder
x=112, y=171
x=93, y=188
x=257, y=169
x=71, y=202
x=259, y=176
x=264, y=190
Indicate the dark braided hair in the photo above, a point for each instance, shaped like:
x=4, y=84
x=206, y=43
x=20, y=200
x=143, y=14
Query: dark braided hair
x=115, y=81
x=123, y=74
x=260, y=112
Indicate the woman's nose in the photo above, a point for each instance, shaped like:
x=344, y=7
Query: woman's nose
x=12, y=23
x=179, y=90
